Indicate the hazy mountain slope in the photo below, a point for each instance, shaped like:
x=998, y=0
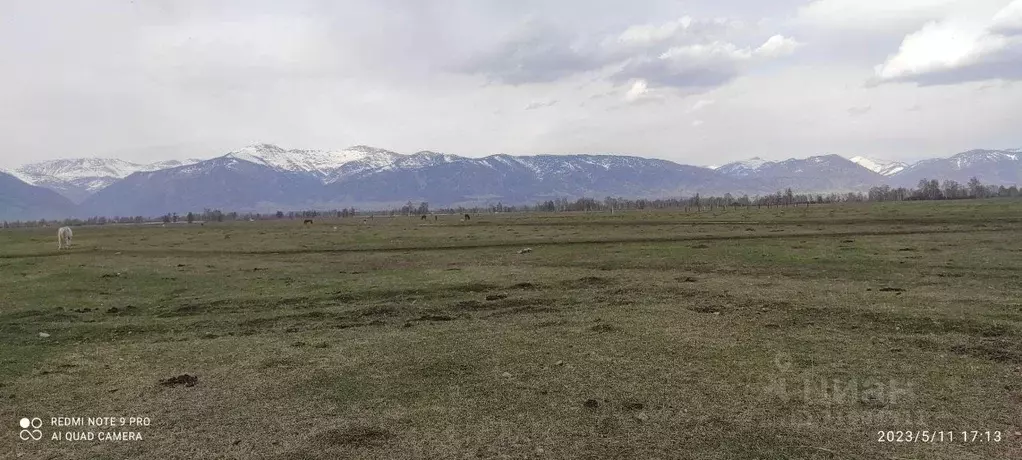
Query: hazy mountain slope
x=991, y=167
x=22, y=201
x=78, y=178
x=225, y=183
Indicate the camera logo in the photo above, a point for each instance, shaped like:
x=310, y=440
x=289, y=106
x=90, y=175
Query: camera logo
x=35, y=433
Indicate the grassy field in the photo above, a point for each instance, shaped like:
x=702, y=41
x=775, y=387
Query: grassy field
x=759, y=334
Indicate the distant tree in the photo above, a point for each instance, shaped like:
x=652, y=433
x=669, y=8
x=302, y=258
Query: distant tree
x=174, y=217
x=190, y=217
x=166, y=218
x=952, y=190
x=976, y=189
x=280, y=214
x=928, y=190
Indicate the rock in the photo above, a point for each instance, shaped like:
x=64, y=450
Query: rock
x=525, y=251
x=183, y=379
x=559, y=363
x=43, y=335
x=591, y=404
x=506, y=375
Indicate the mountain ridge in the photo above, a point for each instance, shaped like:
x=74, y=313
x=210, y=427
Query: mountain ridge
x=367, y=176
x=77, y=178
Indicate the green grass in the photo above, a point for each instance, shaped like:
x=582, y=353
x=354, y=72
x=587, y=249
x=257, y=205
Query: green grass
x=759, y=334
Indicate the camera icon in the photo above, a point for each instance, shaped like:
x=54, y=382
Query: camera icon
x=35, y=433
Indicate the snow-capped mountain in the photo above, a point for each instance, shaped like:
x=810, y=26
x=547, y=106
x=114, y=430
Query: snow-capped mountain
x=77, y=178
x=327, y=165
x=450, y=180
x=882, y=167
x=242, y=180
x=225, y=182
x=265, y=178
x=823, y=173
x=991, y=167
x=742, y=168
x=166, y=164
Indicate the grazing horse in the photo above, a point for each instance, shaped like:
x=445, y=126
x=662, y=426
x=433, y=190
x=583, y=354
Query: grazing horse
x=307, y=222
x=64, y=238
x=423, y=217
x=468, y=217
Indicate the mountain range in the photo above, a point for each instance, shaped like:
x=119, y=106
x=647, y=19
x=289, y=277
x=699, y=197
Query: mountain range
x=78, y=178
x=265, y=178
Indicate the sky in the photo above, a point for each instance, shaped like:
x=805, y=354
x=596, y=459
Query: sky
x=696, y=82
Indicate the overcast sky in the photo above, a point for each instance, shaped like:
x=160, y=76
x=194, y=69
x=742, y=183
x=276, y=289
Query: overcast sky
x=698, y=82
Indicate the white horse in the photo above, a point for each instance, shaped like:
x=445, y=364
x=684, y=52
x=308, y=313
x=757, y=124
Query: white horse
x=64, y=238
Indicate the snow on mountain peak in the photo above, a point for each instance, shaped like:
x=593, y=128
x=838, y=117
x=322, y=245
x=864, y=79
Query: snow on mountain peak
x=328, y=165
x=966, y=159
x=752, y=163
x=744, y=167
x=879, y=166
x=21, y=176
x=72, y=169
x=78, y=168
x=426, y=158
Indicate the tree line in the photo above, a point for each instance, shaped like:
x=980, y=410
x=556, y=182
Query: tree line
x=927, y=189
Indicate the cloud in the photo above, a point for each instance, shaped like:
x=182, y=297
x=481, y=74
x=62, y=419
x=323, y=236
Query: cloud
x=777, y=46
x=697, y=123
x=871, y=15
x=533, y=53
x=640, y=93
x=702, y=65
x=112, y=76
x=638, y=90
x=858, y=111
x=1008, y=21
x=683, y=53
x=955, y=51
x=701, y=104
x=541, y=104
x=684, y=30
